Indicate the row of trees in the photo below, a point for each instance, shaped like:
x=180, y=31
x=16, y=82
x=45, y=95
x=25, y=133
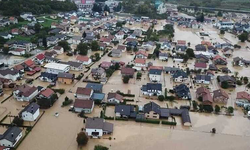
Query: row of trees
x=83, y=48
x=16, y=7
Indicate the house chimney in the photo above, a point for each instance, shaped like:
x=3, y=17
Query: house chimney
x=12, y=134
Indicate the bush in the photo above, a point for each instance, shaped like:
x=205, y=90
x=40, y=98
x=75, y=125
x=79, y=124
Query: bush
x=217, y=108
x=230, y=110
x=161, y=98
x=125, y=95
x=67, y=102
x=17, y=121
x=168, y=123
x=125, y=79
x=148, y=121
x=170, y=98
x=60, y=91
x=82, y=138
x=99, y=147
x=138, y=75
x=224, y=85
x=238, y=82
x=122, y=119
x=109, y=118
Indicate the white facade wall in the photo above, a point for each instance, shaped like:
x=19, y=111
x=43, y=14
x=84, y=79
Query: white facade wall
x=89, y=132
x=26, y=116
x=8, y=143
x=22, y=98
x=154, y=77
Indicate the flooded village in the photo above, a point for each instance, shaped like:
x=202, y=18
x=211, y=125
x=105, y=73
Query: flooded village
x=125, y=82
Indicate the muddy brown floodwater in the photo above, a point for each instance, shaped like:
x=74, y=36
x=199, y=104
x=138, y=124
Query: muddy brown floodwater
x=59, y=133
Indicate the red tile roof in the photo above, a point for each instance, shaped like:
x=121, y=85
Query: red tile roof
x=79, y=103
x=116, y=96
x=82, y=58
x=181, y=42
x=84, y=91
x=29, y=62
x=219, y=57
x=47, y=92
x=40, y=56
x=243, y=95
x=140, y=61
x=127, y=71
x=142, y=53
x=200, y=65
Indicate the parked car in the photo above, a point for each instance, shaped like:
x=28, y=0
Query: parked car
x=240, y=103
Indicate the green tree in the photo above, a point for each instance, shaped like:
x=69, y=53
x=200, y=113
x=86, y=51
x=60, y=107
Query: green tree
x=119, y=24
x=243, y=36
x=230, y=110
x=99, y=147
x=161, y=98
x=82, y=139
x=6, y=50
x=224, y=85
x=238, y=82
x=222, y=32
x=82, y=48
x=84, y=34
x=195, y=105
x=17, y=121
x=45, y=42
x=217, y=108
x=97, y=56
x=219, y=14
x=65, y=45
x=106, y=8
x=125, y=79
x=95, y=46
x=245, y=79
x=37, y=27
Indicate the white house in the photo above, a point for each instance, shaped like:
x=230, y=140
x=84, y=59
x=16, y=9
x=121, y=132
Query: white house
x=11, y=74
x=30, y=112
x=155, y=75
x=58, y=49
x=139, y=63
x=11, y=137
x=25, y=15
x=119, y=36
x=56, y=68
x=141, y=54
x=83, y=105
x=25, y=92
x=6, y=36
x=85, y=60
x=97, y=127
x=114, y=98
x=17, y=52
x=83, y=93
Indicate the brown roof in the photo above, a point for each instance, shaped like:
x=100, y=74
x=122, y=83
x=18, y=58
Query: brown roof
x=243, y=95
x=82, y=58
x=142, y=53
x=84, y=91
x=140, y=61
x=181, y=42
x=116, y=96
x=200, y=65
x=127, y=71
x=57, y=47
x=29, y=62
x=121, y=47
x=18, y=67
x=26, y=90
x=80, y=103
x=47, y=93
x=220, y=92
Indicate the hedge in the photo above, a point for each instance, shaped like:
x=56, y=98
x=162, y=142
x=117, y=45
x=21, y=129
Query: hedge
x=109, y=118
x=122, y=119
x=60, y=91
x=128, y=100
x=169, y=123
x=149, y=121
x=126, y=95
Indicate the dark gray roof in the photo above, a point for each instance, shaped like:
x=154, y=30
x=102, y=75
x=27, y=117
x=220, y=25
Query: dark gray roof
x=200, y=47
x=179, y=73
x=163, y=54
x=155, y=71
x=99, y=123
x=182, y=91
x=65, y=75
x=97, y=96
x=124, y=109
x=11, y=134
x=31, y=108
x=95, y=86
x=152, y=107
x=165, y=112
x=152, y=86
x=227, y=78
x=203, y=77
x=74, y=64
x=9, y=71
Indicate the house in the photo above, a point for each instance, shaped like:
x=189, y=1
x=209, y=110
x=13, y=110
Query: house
x=182, y=91
x=56, y=68
x=141, y=54
x=148, y=45
x=103, y=46
x=5, y=35
x=114, y=98
x=30, y=112
x=65, y=78
x=97, y=127
x=106, y=65
x=11, y=74
x=163, y=56
x=201, y=58
x=85, y=60
x=137, y=32
x=46, y=93
x=25, y=15
x=52, y=54
x=237, y=61
x=140, y=63
x=125, y=111
x=116, y=53
x=212, y=67
x=19, y=68
x=126, y=71
x=227, y=51
x=58, y=49
x=29, y=65
x=200, y=65
x=11, y=137
x=243, y=95
x=86, y=106
x=119, y=36
x=180, y=76
x=229, y=79
x=25, y=92
x=96, y=87
x=17, y=52
x=205, y=94
x=48, y=77
x=152, y=110
x=98, y=73
x=171, y=70
x=155, y=75
x=98, y=97
x=218, y=60
x=220, y=96
x=14, y=31
x=202, y=79
x=166, y=46
x=76, y=66
x=84, y=93
x=152, y=89
x=49, y=59
x=200, y=47
x=40, y=58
